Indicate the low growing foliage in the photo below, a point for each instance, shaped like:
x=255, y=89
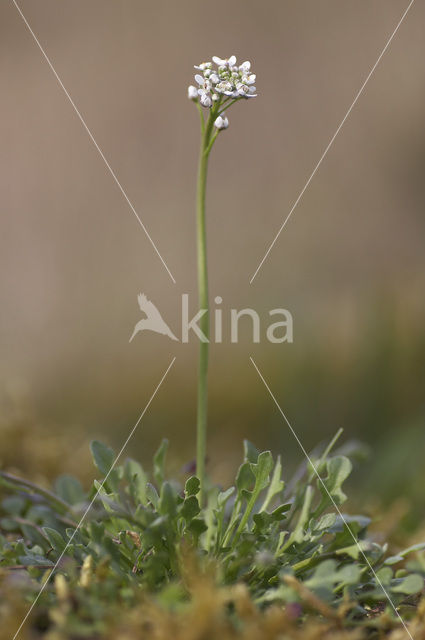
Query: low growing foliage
x=148, y=537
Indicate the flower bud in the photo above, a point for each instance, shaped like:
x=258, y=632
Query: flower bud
x=192, y=93
x=221, y=122
x=205, y=100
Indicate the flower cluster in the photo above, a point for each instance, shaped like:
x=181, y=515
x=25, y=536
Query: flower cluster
x=222, y=80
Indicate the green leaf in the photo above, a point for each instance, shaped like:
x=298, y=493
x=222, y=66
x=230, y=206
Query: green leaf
x=357, y=523
x=9, y=524
x=191, y=487
x=250, y=452
x=393, y=559
x=103, y=456
x=410, y=585
x=245, y=478
x=107, y=499
x=415, y=547
x=14, y=505
x=55, y=539
x=276, y=485
x=70, y=489
x=263, y=519
x=338, y=468
x=261, y=470
x=152, y=495
x=197, y=526
x=355, y=550
x=349, y=574
x=385, y=575
x=137, y=479
x=159, y=463
x=328, y=574
x=190, y=508
x=167, y=500
x=298, y=534
x=97, y=532
x=326, y=522
x=280, y=512
x=34, y=559
x=223, y=496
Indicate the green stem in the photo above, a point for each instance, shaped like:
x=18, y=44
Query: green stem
x=206, y=144
x=25, y=485
x=226, y=104
x=249, y=508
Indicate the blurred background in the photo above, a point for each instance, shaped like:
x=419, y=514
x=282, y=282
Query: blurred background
x=349, y=265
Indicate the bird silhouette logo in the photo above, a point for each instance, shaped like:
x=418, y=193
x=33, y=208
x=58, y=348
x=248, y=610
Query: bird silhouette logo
x=153, y=320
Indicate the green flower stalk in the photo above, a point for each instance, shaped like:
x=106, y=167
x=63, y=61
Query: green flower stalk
x=221, y=83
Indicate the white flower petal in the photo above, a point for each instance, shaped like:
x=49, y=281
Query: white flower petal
x=199, y=79
x=218, y=61
x=231, y=61
x=192, y=92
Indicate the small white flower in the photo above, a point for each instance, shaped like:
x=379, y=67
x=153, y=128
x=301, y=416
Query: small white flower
x=205, y=99
x=223, y=62
x=221, y=122
x=205, y=85
x=192, y=92
x=203, y=66
x=220, y=80
x=241, y=89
